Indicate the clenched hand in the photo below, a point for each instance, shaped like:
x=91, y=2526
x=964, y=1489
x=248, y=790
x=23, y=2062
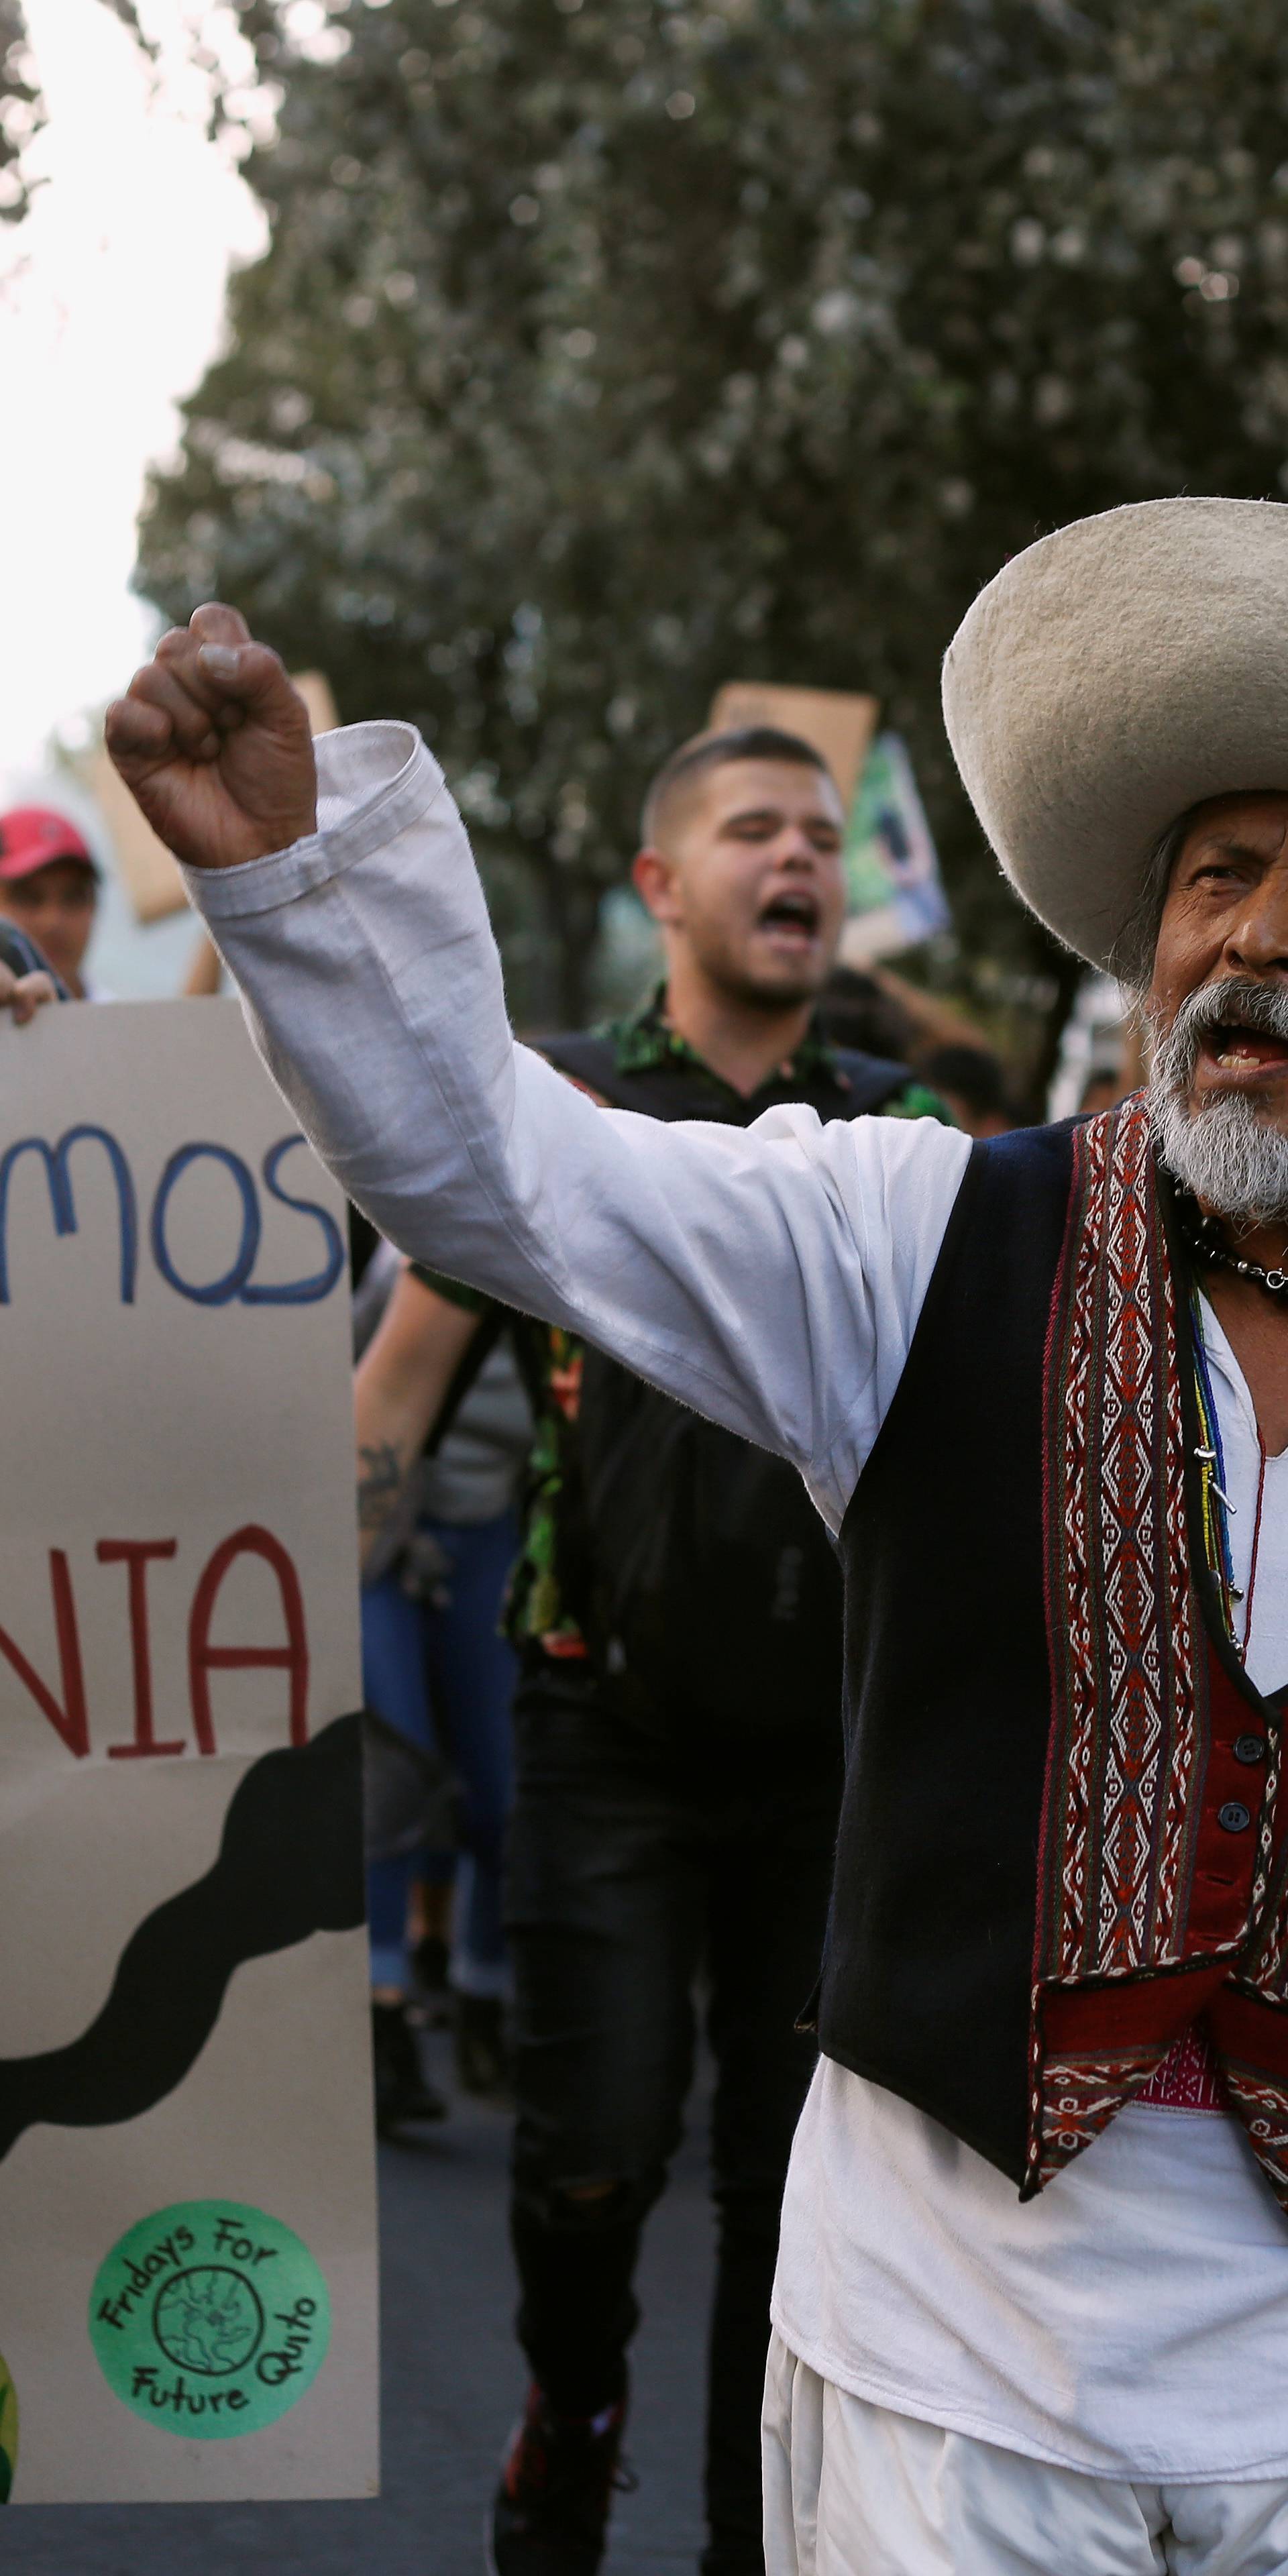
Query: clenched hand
x=214, y=744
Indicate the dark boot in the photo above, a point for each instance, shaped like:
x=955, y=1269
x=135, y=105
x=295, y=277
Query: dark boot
x=430, y=1961
x=401, y=2090
x=550, y=2515
x=481, y=2048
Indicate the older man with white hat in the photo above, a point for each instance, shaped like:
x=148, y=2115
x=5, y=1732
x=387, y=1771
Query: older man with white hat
x=1032, y=2301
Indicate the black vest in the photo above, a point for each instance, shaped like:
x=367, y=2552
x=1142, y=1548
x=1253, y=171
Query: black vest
x=929, y=1972
x=926, y=1983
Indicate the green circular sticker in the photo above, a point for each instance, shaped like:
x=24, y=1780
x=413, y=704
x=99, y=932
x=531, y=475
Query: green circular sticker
x=209, y=2319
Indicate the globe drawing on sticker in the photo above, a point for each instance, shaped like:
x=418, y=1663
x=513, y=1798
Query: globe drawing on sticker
x=209, y=2320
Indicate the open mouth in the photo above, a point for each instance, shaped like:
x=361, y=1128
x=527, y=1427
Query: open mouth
x=792, y=915
x=1233, y=1046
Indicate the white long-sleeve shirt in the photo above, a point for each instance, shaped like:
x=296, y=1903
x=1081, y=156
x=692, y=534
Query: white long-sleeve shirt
x=1132, y=2321
x=769, y=1276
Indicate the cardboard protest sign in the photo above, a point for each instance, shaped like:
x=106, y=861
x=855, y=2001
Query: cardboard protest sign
x=894, y=895
x=839, y=723
x=187, y=2234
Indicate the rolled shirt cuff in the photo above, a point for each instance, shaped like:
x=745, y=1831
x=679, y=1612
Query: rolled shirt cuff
x=374, y=781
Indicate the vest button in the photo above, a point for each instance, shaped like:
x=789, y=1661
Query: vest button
x=1249, y=1748
x=1234, y=1816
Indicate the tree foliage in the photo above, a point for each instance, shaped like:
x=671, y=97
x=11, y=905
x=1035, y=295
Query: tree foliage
x=21, y=113
x=604, y=352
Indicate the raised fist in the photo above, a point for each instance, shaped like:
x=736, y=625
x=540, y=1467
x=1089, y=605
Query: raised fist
x=214, y=744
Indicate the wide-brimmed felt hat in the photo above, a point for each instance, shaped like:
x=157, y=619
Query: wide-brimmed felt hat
x=1109, y=678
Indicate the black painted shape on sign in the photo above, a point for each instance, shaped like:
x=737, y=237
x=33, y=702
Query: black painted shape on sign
x=290, y=1864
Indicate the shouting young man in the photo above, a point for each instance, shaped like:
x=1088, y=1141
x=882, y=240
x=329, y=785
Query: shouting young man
x=677, y=1610
x=1032, y=2293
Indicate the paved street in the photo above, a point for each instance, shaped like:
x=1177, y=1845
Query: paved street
x=451, y=2386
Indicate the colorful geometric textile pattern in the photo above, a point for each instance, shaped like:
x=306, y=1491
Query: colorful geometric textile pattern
x=1135, y=1740
x=1262, y=2104
x=1265, y=1969
x=1187, y=2079
x=1128, y=1701
x=1078, y=2097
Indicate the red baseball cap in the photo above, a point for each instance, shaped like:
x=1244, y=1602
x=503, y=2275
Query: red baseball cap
x=32, y=836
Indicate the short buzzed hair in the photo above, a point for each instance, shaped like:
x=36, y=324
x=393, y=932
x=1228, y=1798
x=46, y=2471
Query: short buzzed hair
x=707, y=751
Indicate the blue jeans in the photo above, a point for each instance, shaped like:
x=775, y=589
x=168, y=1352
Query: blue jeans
x=440, y=1672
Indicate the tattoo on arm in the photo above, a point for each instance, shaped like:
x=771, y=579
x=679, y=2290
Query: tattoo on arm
x=382, y=1475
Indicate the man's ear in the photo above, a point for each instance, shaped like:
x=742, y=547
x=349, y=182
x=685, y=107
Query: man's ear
x=654, y=878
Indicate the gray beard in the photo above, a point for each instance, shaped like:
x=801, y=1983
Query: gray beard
x=1225, y=1152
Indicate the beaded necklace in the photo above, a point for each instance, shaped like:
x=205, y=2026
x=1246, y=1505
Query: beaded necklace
x=1203, y=1237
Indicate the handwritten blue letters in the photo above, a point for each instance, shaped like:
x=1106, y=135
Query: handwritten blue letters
x=234, y=1282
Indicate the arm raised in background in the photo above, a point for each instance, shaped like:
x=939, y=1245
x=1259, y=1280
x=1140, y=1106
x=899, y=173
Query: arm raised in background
x=769, y=1277
x=399, y=1391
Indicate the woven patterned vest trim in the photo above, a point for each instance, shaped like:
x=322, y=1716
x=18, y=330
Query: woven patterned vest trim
x=1150, y=1917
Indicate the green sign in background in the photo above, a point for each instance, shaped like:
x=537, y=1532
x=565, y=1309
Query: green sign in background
x=210, y=2319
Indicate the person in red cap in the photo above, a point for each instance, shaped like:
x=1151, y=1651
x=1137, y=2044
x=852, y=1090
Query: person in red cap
x=49, y=883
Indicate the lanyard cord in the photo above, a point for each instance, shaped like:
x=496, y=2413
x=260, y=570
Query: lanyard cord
x=1256, y=1541
x=1216, y=1504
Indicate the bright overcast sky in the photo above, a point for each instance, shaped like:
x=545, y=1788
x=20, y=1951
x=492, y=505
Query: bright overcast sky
x=111, y=298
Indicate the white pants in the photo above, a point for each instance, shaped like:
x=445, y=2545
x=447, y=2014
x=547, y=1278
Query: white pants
x=852, y=2489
